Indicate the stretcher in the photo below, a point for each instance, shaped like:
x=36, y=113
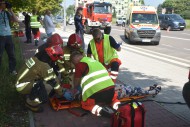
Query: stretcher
x=61, y=103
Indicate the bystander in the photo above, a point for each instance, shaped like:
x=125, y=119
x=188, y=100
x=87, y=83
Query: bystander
x=6, y=41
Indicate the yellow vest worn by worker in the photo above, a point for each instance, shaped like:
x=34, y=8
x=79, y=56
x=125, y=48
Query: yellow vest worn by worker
x=32, y=71
x=34, y=23
x=109, y=52
x=96, y=80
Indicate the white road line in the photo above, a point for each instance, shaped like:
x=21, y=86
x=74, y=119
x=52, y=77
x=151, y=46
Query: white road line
x=158, y=57
x=186, y=33
x=118, y=29
x=166, y=45
x=176, y=38
x=186, y=49
x=156, y=53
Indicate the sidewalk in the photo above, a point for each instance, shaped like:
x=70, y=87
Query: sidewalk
x=156, y=115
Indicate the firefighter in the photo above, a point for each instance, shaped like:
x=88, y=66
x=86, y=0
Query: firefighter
x=74, y=44
x=36, y=79
x=96, y=84
x=104, y=49
x=35, y=23
x=41, y=54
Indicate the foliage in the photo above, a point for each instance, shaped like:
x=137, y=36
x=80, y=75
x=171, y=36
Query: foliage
x=186, y=14
x=114, y=13
x=159, y=9
x=70, y=10
x=11, y=110
x=187, y=24
x=179, y=6
x=142, y=2
x=39, y=5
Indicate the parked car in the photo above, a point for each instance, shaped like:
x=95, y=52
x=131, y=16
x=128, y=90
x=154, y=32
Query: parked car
x=59, y=19
x=71, y=21
x=171, y=21
x=121, y=21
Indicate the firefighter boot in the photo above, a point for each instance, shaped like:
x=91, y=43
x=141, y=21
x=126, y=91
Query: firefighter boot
x=36, y=109
x=107, y=112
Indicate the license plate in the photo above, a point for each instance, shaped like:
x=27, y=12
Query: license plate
x=182, y=26
x=146, y=40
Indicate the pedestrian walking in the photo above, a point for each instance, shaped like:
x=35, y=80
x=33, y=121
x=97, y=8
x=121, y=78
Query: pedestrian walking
x=48, y=23
x=27, y=27
x=35, y=23
x=6, y=41
x=79, y=28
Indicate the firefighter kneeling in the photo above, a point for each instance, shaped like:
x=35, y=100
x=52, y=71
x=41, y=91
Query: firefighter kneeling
x=97, y=87
x=36, y=79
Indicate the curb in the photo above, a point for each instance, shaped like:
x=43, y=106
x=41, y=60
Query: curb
x=31, y=119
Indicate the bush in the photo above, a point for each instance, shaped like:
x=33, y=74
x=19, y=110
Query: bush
x=186, y=14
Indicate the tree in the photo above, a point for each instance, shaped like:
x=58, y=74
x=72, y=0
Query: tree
x=39, y=5
x=159, y=9
x=179, y=6
x=70, y=10
x=142, y=2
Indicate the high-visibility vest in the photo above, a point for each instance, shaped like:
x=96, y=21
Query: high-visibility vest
x=109, y=52
x=97, y=78
x=34, y=23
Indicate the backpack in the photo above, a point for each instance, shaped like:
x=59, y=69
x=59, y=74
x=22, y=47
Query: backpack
x=129, y=114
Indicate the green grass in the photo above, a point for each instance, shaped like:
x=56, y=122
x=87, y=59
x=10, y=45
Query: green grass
x=11, y=103
x=187, y=23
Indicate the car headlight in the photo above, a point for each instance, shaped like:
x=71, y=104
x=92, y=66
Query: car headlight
x=176, y=23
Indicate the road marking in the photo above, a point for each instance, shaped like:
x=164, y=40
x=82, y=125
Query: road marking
x=187, y=49
x=158, y=57
x=186, y=33
x=176, y=38
x=156, y=53
x=118, y=29
x=166, y=45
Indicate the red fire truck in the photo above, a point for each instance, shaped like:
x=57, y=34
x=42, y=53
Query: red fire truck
x=97, y=15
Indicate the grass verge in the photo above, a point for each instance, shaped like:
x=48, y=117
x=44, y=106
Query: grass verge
x=11, y=110
x=187, y=23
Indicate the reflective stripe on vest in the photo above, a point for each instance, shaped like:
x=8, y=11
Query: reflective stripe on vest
x=109, y=52
x=97, y=78
x=34, y=22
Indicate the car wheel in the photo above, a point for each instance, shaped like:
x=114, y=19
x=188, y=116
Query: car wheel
x=181, y=29
x=123, y=24
x=87, y=31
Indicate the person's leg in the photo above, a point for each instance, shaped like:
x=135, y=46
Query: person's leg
x=114, y=70
x=186, y=93
x=35, y=32
x=28, y=35
x=10, y=49
x=81, y=35
x=2, y=46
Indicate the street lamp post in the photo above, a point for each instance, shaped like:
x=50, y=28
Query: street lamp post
x=64, y=25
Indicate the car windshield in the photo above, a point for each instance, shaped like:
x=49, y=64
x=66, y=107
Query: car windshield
x=102, y=9
x=175, y=17
x=144, y=18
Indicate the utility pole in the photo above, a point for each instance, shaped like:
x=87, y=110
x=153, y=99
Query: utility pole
x=76, y=4
x=64, y=25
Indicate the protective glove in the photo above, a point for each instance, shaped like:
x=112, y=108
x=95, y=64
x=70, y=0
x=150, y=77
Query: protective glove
x=68, y=95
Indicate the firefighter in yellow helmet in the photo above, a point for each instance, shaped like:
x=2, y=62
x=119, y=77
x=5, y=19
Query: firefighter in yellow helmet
x=36, y=79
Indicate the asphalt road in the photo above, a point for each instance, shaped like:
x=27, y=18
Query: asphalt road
x=174, y=46
x=174, y=43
